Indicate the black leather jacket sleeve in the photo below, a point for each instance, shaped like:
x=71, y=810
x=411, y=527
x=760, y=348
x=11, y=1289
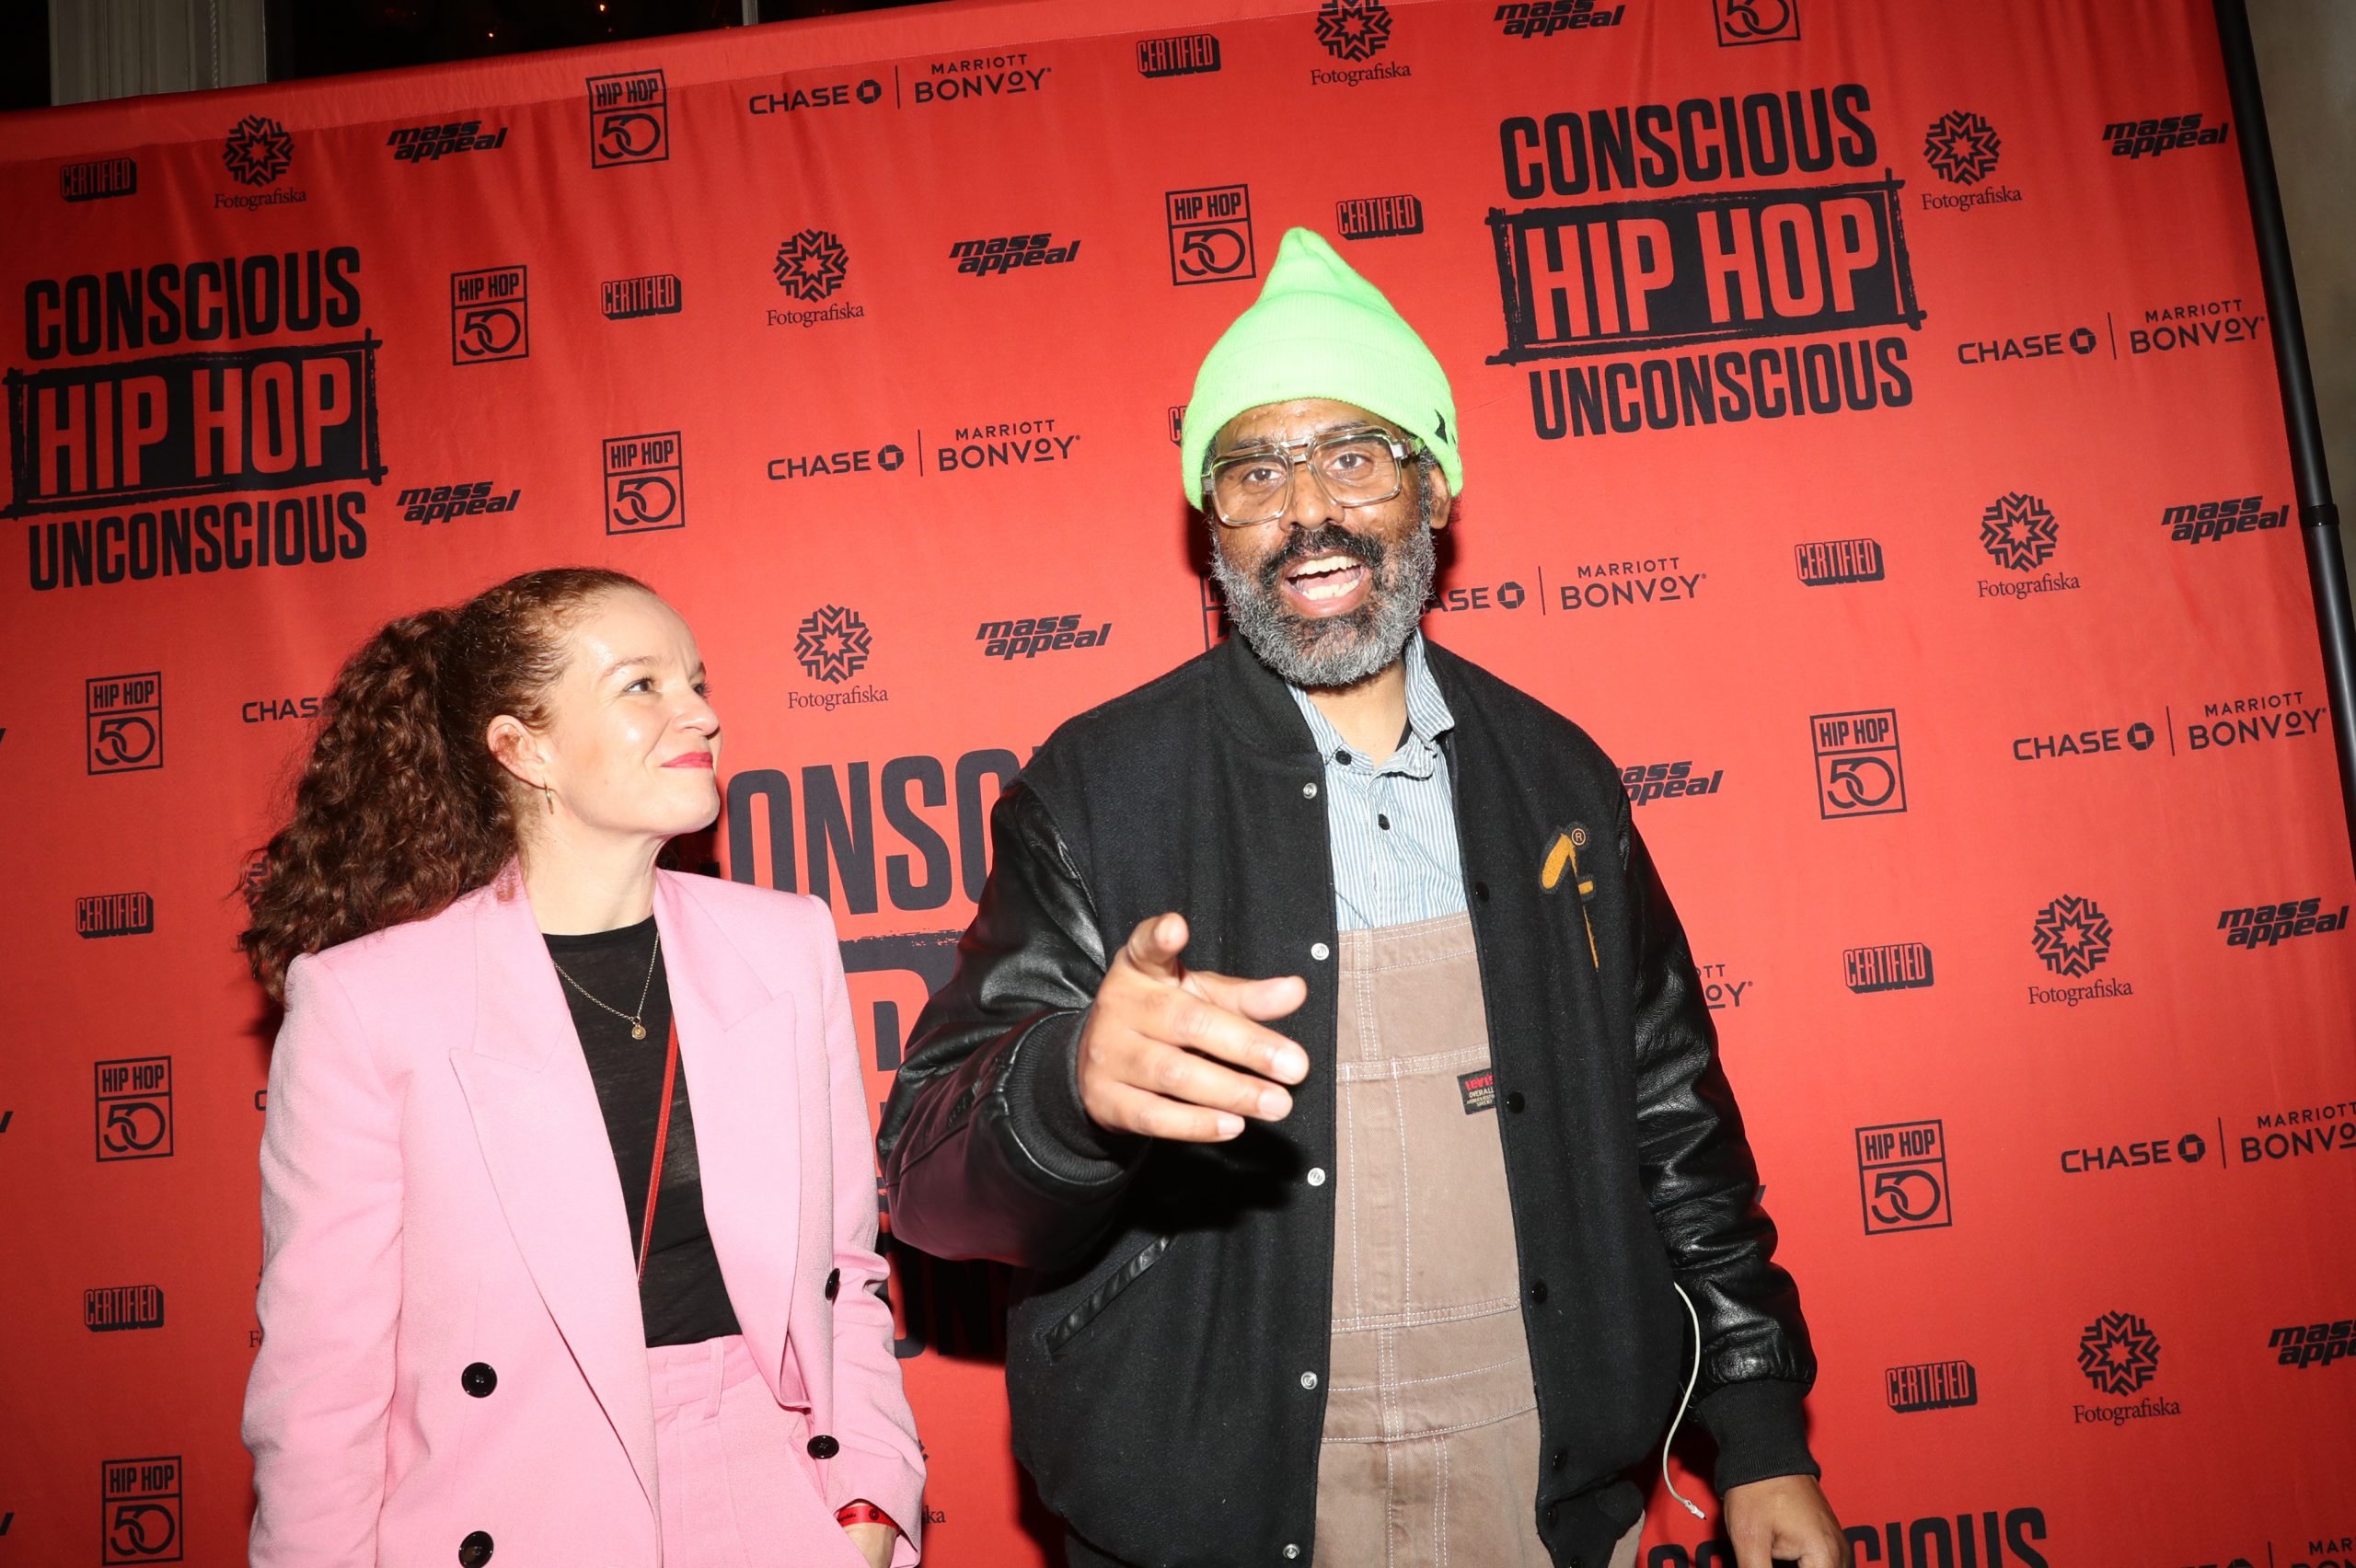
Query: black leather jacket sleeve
x=1703, y=1188
x=986, y=1151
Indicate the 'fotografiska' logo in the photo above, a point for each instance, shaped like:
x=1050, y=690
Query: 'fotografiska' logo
x=2266, y=925
x=1931, y=1385
x=833, y=643
x=139, y=1502
x=1832, y=563
x=1902, y=1176
x=812, y=264
x=2020, y=534
x=1961, y=148
x=114, y=915
x=2120, y=1354
x=1354, y=29
x=2071, y=936
x=258, y=150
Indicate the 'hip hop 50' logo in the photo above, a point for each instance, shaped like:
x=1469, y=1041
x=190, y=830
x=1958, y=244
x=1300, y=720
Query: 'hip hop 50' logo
x=629, y=119
x=139, y=1502
x=1902, y=1174
x=125, y=714
x=646, y=487
x=134, y=1106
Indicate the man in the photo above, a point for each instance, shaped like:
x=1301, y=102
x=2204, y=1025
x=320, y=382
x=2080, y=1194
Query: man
x=1326, y=1046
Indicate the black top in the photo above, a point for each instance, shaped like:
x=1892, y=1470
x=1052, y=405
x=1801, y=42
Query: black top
x=682, y=1298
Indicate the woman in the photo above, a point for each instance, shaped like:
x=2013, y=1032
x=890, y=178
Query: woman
x=487, y=1334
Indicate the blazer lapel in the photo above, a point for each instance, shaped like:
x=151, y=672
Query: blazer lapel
x=543, y=1140
x=748, y=1085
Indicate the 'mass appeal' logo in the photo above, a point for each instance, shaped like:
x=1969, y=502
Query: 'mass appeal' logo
x=1668, y=303
x=237, y=450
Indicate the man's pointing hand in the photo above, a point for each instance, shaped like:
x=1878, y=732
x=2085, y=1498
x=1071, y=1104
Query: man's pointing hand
x=1151, y=1054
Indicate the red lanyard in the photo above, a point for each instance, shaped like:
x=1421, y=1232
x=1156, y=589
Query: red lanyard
x=662, y=1135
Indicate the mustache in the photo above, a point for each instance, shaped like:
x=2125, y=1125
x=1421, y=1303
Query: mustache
x=1309, y=544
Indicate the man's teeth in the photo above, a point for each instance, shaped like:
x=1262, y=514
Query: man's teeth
x=1325, y=578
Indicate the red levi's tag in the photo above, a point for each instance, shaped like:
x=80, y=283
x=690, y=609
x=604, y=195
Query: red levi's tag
x=1479, y=1088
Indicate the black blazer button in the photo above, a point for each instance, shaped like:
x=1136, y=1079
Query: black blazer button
x=475, y=1551
x=824, y=1447
x=834, y=1283
x=1538, y=1290
x=1514, y=1102
x=479, y=1379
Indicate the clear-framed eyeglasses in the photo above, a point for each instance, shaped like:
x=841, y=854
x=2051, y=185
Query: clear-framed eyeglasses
x=1354, y=467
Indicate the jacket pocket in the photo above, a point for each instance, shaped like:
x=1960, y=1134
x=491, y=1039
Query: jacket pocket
x=1060, y=1333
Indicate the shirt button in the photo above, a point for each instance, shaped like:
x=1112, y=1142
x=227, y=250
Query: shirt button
x=1383, y=823
x=1514, y=1102
x=1317, y=1176
x=1308, y=791
x=1309, y=1379
x=1538, y=1290
x=1343, y=757
x=1320, y=951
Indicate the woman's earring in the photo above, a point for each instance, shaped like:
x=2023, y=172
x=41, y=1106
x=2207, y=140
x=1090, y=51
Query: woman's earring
x=549, y=796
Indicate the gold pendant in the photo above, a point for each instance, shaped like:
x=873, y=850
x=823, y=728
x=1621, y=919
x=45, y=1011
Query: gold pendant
x=638, y=1032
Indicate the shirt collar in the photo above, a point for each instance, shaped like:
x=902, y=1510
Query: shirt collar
x=1428, y=719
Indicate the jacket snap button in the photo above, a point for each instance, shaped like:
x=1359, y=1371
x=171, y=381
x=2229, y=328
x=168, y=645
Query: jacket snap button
x=1317, y=1176
x=475, y=1551
x=1538, y=1290
x=834, y=1283
x=479, y=1379
x=1308, y=791
x=1514, y=1101
x=1291, y=1551
x=824, y=1447
x=1550, y=1513
x=1481, y=891
x=1555, y=1459
x=1320, y=951
x=1309, y=1379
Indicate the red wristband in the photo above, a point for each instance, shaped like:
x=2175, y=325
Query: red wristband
x=862, y=1513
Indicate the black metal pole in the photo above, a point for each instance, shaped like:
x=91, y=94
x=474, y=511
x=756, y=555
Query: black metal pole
x=2318, y=518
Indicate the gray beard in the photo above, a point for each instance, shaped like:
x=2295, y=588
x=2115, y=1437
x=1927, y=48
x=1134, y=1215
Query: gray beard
x=1320, y=654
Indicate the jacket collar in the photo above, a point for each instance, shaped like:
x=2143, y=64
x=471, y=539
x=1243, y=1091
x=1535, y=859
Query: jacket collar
x=1258, y=705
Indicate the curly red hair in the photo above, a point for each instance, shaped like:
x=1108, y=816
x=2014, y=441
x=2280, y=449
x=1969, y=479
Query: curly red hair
x=401, y=807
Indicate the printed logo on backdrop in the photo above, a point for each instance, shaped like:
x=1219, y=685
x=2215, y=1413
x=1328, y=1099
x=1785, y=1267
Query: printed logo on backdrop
x=2299, y=1134
x=1179, y=54
x=2249, y=720
x=887, y=458
x=919, y=867
x=791, y=99
x=2132, y=139
x=1210, y=234
x=1834, y=563
x=164, y=465
x=2269, y=925
x=489, y=315
x=1893, y=967
x=1677, y=293
x=468, y=497
x=2119, y=1355
x=1353, y=29
x=833, y=643
x=431, y=143
x=629, y=119
x=98, y=179
x=2020, y=534
x=257, y=151
x=2047, y=346
x=1931, y=1385
x=1177, y=424
x=1961, y=148
x=134, y=1108
x=2203, y=324
x=1644, y=783
x=139, y=1502
x=2199, y=523
x=645, y=483
x=1378, y=217
x=2305, y=1345
x=1990, y=1538
x=976, y=76
x=1902, y=1176
x=118, y=1307
x=1004, y=253
x=1655, y=580
x=2137, y=737
x=277, y=709
x=1002, y=444
x=1860, y=770
x=114, y=915
x=811, y=266
x=1031, y=636
x=125, y=718
x=627, y=299
x=1742, y=22
x=2071, y=936
x=1721, y=992
x=1544, y=19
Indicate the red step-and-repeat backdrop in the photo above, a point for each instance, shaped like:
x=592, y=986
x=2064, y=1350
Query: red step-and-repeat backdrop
x=1871, y=439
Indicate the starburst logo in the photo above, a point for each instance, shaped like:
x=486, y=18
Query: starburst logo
x=1961, y=148
x=2072, y=936
x=812, y=265
x=2019, y=531
x=1354, y=29
x=832, y=643
x=258, y=151
x=2118, y=1353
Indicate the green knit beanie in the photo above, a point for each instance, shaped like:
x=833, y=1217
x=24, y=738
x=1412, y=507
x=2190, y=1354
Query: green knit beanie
x=1320, y=331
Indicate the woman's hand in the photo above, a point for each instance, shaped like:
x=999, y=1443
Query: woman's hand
x=874, y=1543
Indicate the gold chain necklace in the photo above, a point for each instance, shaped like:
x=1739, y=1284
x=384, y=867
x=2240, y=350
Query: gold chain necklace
x=636, y=1021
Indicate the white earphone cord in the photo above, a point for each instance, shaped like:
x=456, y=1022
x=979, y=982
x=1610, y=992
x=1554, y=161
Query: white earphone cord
x=1690, y=1507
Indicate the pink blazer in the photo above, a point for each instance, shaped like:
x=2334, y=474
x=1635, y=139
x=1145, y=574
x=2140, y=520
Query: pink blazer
x=438, y=1191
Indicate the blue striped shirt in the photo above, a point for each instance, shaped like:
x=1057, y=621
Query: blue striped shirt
x=1392, y=823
